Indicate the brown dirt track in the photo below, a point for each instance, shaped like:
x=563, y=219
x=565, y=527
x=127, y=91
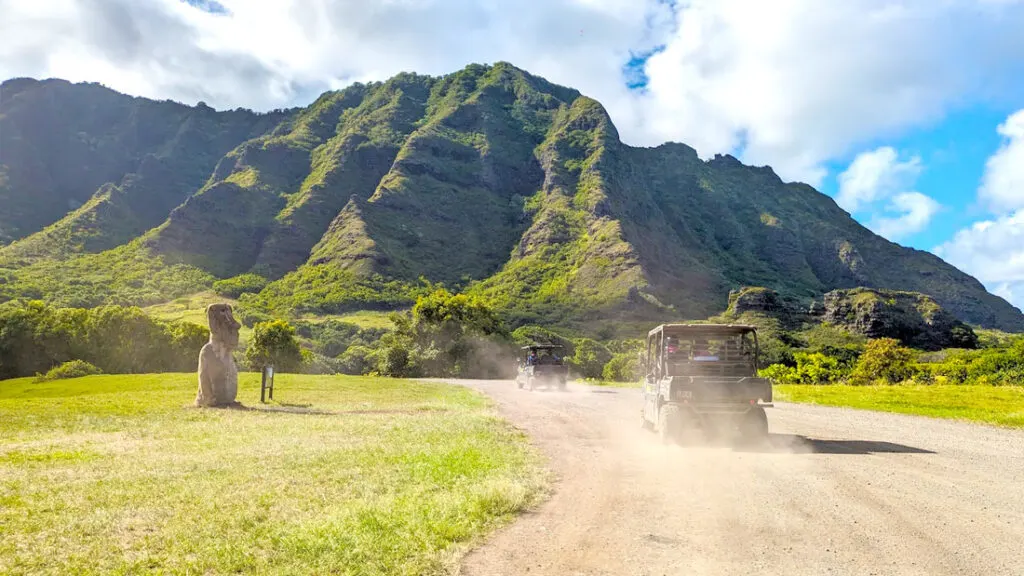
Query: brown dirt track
x=835, y=492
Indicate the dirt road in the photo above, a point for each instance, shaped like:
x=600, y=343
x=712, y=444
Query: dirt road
x=837, y=492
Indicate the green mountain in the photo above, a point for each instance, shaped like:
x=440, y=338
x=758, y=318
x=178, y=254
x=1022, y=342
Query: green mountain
x=489, y=180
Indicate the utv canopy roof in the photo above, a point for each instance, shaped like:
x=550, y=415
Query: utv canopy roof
x=543, y=347
x=678, y=329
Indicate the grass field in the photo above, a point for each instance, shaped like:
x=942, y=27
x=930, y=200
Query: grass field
x=361, y=318
x=1002, y=406
x=346, y=475
x=611, y=383
x=192, y=309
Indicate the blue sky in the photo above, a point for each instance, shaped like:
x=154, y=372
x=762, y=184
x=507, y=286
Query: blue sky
x=893, y=107
x=953, y=154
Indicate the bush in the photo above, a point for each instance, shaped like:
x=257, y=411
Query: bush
x=313, y=363
x=72, y=369
x=623, y=367
x=589, y=358
x=238, y=285
x=884, y=361
x=273, y=343
x=811, y=368
x=332, y=337
x=1001, y=365
x=356, y=360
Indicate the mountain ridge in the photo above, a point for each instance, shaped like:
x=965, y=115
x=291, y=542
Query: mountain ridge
x=490, y=180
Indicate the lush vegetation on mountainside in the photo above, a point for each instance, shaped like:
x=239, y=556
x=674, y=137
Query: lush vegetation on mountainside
x=337, y=475
x=85, y=169
x=488, y=181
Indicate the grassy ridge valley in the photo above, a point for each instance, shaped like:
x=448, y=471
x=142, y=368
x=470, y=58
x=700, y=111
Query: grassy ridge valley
x=489, y=181
x=487, y=207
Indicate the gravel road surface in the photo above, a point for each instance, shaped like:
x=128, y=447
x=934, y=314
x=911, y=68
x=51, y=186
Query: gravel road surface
x=836, y=492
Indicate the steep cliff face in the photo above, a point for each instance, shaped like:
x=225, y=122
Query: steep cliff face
x=489, y=180
x=84, y=168
x=914, y=319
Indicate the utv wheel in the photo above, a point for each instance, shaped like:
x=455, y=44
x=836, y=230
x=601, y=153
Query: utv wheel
x=645, y=424
x=755, y=426
x=669, y=424
x=562, y=385
x=519, y=383
x=529, y=384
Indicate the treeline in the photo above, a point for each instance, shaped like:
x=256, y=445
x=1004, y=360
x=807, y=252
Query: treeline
x=886, y=361
x=443, y=335
x=452, y=335
x=36, y=338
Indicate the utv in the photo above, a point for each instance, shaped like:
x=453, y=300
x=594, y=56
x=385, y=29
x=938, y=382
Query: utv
x=702, y=378
x=542, y=365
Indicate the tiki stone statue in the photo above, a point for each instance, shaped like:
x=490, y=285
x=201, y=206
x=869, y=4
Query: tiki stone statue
x=218, y=376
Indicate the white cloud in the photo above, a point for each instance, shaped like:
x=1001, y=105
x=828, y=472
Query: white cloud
x=915, y=212
x=993, y=252
x=801, y=81
x=875, y=175
x=879, y=183
x=1002, y=187
x=794, y=83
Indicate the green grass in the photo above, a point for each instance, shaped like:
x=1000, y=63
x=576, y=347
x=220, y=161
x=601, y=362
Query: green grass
x=611, y=384
x=119, y=475
x=192, y=308
x=362, y=318
x=1002, y=405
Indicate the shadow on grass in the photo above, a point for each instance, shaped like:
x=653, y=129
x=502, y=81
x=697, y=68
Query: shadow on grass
x=306, y=409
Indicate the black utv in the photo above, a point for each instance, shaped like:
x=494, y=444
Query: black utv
x=542, y=365
x=702, y=378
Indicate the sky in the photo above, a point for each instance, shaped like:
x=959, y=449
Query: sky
x=910, y=113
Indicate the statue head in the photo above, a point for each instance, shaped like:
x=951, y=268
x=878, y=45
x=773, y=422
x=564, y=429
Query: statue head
x=223, y=326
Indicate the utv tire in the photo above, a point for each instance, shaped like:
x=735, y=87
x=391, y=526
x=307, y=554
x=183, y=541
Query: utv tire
x=562, y=384
x=669, y=424
x=645, y=424
x=529, y=384
x=519, y=383
x=754, y=428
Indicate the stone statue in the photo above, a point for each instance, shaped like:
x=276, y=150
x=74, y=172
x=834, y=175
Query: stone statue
x=218, y=376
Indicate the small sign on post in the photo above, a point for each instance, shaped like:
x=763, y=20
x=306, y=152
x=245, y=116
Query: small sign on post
x=268, y=384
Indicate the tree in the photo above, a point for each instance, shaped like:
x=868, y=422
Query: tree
x=273, y=343
x=590, y=357
x=447, y=335
x=885, y=361
x=623, y=367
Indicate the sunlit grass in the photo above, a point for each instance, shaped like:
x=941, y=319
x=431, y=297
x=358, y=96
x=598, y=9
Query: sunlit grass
x=999, y=405
x=610, y=383
x=342, y=475
x=371, y=319
x=192, y=308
